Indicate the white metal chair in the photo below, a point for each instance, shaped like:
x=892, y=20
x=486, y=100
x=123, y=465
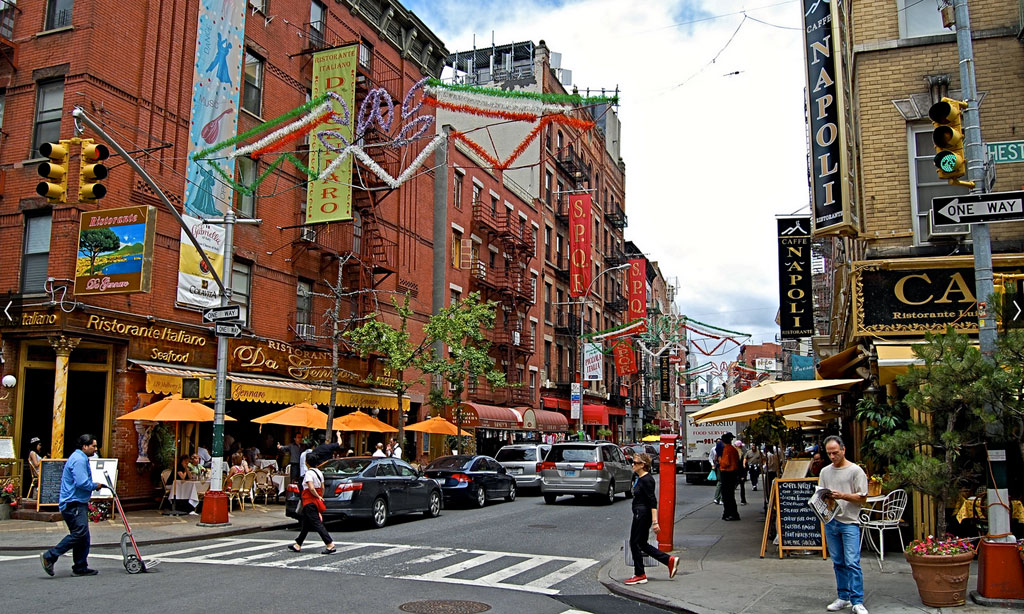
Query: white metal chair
x=885, y=519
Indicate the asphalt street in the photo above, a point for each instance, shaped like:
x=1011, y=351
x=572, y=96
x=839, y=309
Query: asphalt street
x=513, y=557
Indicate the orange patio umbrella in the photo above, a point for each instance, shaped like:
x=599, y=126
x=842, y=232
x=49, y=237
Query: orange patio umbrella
x=437, y=426
x=305, y=415
x=359, y=421
x=173, y=409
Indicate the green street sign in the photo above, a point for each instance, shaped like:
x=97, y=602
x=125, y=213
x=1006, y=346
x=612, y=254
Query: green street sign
x=1006, y=152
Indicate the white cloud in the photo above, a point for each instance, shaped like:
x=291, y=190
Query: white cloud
x=713, y=151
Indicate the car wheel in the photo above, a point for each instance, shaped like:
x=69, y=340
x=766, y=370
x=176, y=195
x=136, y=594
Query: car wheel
x=511, y=496
x=380, y=512
x=434, y=505
x=481, y=497
x=609, y=497
x=548, y=498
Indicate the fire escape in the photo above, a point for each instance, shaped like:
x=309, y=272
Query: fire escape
x=8, y=55
x=509, y=284
x=361, y=245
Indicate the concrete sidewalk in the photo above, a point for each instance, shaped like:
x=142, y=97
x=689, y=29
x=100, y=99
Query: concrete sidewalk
x=148, y=527
x=721, y=571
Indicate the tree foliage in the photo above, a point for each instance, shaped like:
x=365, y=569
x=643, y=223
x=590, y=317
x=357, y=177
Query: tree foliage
x=96, y=241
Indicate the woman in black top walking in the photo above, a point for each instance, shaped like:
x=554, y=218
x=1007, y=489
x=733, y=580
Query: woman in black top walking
x=645, y=517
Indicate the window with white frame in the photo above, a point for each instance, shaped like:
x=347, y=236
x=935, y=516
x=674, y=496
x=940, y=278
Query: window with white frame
x=457, y=190
x=252, y=93
x=259, y=5
x=919, y=18
x=304, y=302
x=317, y=23
x=241, y=284
x=927, y=185
x=49, y=108
x=35, y=260
x=247, y=177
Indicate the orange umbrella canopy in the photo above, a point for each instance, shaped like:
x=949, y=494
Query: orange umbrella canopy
x=304, y=415
x=437, y=426
x=359, y=421
x=173, y=409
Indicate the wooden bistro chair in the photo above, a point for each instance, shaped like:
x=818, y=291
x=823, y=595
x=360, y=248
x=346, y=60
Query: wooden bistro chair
x=34, y=484
x=165, y=477
x=248, y=480
x=235, y=490
x=264, y=485
x=886, y=519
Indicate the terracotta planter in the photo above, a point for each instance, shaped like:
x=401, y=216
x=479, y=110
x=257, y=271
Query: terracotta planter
x=941, y=580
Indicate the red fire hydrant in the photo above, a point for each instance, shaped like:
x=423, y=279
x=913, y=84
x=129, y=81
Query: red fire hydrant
x=667, y=491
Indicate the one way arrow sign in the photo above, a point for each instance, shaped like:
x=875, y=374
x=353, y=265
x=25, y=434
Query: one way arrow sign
x=977, y=208
x=227, y=330
x=219, y=314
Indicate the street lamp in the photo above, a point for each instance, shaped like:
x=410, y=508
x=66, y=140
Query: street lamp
x=583, y=306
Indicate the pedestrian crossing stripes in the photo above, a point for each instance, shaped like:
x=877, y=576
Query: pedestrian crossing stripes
x=505, y=570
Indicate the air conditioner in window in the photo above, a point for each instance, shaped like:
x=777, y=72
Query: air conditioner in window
x=305, y=331
x=308, y=233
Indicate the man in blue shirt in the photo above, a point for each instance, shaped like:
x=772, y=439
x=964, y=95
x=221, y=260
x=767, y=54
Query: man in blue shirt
x=76, y=487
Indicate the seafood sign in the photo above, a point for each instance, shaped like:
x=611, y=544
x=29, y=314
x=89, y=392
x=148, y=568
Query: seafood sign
x=115, y=251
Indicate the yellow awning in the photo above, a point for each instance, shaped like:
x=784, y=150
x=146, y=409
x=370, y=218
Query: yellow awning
x=893, y=360
x=839, y=365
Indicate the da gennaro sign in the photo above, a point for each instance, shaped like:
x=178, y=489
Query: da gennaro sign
x=916, y=295
x=115, y=251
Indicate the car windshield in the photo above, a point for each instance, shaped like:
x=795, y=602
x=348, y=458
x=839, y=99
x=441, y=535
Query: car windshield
x=345, y=466
x=450, y=462
x=511, y=455
x=570, y=454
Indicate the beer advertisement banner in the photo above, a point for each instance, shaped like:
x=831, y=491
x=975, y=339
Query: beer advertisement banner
x=593, y=362
x=636, y=289
x=625, y=358
x=216, y=86
x=115, y=251
x=827, y=61
x=195, y=284
x=579, y=244
x=329, y=198
x=664, y=370
x=796, y=304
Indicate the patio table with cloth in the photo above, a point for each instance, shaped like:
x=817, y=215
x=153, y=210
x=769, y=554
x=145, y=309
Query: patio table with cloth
x=187, y=490
x=281, y=481
x=266, y=462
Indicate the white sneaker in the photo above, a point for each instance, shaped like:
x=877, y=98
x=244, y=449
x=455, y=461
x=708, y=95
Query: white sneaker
x=860, y=609
x=839, y=604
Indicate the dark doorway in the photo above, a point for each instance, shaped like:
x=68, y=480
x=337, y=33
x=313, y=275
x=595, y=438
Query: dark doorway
x=37, y=412
x=87, y=400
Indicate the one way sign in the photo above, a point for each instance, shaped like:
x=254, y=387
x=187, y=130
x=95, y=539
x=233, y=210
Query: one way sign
x=976, y=208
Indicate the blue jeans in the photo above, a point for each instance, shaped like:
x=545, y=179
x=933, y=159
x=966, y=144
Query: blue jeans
x=76, y=516
x=844, y=547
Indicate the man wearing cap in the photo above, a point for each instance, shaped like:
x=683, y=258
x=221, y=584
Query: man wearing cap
x=730, y=470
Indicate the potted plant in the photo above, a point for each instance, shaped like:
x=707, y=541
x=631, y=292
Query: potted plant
x=8, y=499
x=603, y=433
x=941, y=568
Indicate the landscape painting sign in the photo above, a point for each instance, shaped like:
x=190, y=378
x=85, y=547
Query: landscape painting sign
x=115, y=251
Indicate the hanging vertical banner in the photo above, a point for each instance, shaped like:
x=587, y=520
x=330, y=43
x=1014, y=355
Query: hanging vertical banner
x=636, y=282
x=664, y=370
x=593, y=362
x=796, y=305
x=625, y=358
x=802, y=367
x=329, y=198
x=579, y=244
x=828, y=61
x=216, y=86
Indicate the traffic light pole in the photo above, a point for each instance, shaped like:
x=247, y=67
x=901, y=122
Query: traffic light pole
x=999, y=515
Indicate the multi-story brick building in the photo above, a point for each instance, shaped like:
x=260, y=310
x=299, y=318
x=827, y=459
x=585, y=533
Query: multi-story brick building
x=895, y=275
x=130, y=66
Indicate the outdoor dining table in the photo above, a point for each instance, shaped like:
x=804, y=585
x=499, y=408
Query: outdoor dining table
x=267, y=462
x=281, y=481
x=187, y=490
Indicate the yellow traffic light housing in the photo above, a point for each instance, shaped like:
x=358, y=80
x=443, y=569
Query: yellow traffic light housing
x=91, y=172
x=55, y=171
x=948, y=137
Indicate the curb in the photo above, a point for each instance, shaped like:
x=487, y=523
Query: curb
x=167, y=540
x=630, y=592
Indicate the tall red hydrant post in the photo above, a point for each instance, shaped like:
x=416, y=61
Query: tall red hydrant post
x=667, y=491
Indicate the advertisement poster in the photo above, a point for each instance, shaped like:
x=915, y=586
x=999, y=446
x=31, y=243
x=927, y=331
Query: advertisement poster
x=593, y=362
x=115, y=251
x=329, y=199
x=580, y=267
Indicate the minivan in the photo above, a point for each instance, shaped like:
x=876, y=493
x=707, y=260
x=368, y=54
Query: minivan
x=585, y=468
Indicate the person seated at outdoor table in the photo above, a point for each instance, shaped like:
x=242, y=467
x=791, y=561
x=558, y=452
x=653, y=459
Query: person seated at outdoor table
x=204, y=457
x=185, y=468
x=196, y=467
x=238, y=465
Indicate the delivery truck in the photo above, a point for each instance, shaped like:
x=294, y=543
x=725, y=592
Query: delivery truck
x=700, y=438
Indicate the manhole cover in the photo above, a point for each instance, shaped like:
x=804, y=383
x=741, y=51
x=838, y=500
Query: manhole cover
x=444, y=606
x=542, y=526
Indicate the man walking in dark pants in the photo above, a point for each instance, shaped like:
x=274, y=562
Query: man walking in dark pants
x=730, y=471
x=76, y=487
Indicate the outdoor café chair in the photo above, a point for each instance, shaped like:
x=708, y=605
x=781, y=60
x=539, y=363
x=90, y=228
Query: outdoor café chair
x=165, y=477
x=248, y=480
x=886, y=519
x=235, y=490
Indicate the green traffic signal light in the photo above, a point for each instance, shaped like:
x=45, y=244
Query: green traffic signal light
x=948, y=137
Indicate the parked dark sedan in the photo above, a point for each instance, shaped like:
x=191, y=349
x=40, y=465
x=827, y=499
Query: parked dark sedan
x=472, y=478
x=373, y=488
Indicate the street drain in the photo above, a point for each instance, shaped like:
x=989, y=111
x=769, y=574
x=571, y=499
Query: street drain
x=444, y=606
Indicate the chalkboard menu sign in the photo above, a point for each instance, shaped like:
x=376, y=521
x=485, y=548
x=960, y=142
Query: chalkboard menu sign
x=50, y=472
x=796, y=524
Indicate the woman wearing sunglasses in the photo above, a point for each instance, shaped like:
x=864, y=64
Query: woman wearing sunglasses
x=645, y=518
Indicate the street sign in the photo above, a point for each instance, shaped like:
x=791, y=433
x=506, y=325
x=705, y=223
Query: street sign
x=219, y=314
x=1006, y=152
x=976, y=208
x=227, y=330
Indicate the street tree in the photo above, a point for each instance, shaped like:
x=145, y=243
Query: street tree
x=96, y=241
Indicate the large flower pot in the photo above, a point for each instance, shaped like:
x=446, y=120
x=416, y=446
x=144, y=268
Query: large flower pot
x=941, y=580
x=5, y=511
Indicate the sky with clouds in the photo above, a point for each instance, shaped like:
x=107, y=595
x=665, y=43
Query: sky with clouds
x=712, y=107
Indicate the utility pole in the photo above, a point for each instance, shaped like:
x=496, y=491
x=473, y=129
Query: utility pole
x=999, y=515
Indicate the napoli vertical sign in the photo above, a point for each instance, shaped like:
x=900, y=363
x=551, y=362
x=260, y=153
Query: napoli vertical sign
x=796, y=306
x=827, y=56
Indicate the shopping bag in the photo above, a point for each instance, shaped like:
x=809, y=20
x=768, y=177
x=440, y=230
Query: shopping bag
x=712, y=477
x=648, y=561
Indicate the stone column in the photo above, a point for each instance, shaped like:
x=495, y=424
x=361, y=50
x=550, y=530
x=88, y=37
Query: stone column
x=63, y=346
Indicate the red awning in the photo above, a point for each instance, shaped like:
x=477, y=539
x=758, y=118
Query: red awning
x=489, y=416
x=555, y=403
x=616, y=411
x=543, y=420
x=595, y=415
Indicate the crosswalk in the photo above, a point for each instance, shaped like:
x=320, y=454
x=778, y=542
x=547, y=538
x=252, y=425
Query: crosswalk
x=505, y=570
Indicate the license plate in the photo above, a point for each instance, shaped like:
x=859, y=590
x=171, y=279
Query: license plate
x=516, y=470
x=570, y=473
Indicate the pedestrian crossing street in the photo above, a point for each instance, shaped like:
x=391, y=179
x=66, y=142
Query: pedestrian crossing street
x=506, y=570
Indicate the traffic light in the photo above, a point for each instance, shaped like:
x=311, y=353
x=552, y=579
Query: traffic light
x=91, y=172
x=55, y=171
x=948, y=137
